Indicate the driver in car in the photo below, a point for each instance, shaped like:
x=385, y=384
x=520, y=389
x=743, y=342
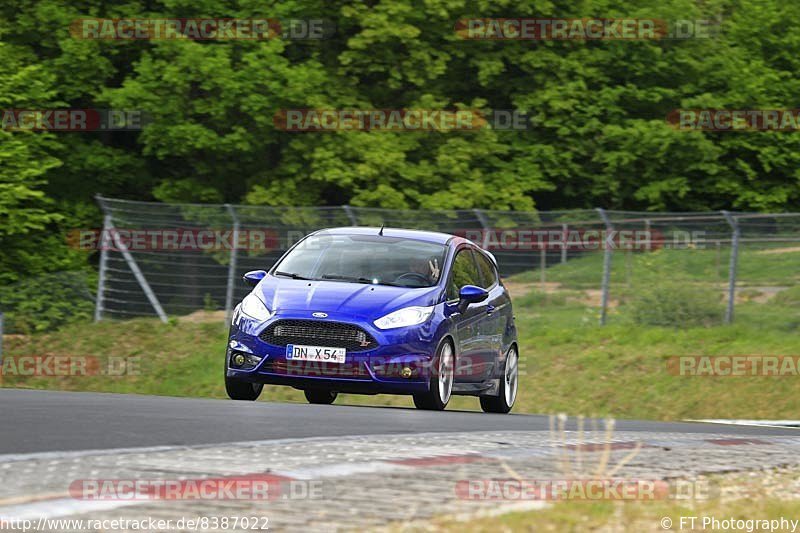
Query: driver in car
x=426, y=268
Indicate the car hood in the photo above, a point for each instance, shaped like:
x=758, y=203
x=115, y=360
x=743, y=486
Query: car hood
x=356, y=299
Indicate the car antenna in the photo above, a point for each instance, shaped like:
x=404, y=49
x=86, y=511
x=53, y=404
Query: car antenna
x=380, y=231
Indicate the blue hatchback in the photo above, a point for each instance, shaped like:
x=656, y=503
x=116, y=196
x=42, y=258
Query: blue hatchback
x=371, y=311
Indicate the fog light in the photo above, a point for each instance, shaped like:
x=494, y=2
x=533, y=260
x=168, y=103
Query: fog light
x=406, y=372
x=244, y=361
x=251, y=360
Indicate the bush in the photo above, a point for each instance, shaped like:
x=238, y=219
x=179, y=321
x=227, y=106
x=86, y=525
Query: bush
x=789, y=297
x=46, y=302
x=538, y=298
x=677, y=305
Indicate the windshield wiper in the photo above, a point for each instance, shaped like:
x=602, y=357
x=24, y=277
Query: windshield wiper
x=289, y=275
x=336, y=277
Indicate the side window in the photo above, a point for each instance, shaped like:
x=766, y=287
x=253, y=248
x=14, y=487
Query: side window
x=464, y=272
x=487, y=270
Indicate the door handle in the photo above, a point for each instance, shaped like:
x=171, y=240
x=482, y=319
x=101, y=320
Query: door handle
x=489, y=309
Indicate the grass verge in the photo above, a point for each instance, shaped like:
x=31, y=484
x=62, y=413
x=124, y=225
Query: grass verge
x=569, y=363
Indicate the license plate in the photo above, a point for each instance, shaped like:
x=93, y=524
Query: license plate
x=299, y=352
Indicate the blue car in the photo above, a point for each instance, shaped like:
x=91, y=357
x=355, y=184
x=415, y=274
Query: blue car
x=377, y=311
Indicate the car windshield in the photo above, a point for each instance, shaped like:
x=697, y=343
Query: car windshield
x=365, y=259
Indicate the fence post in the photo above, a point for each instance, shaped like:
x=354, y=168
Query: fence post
x=349, y=212
x=232, y=264
x=606, y=267
x=734, y=224
x=628, y=267
x=1, y=341
x=543, y=268
x=101, y=278
x=485, y=226
x=564, y=235
x=137, y=273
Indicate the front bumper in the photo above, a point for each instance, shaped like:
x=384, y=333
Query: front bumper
x=383, y=369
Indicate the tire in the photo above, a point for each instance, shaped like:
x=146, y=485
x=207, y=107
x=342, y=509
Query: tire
x=441, y=381
x=509, y=385
x=323, y=397
x=241, y=390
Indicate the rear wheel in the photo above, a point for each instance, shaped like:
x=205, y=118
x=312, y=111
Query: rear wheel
x=504, y=401
x=441, y=381
x=325, y=397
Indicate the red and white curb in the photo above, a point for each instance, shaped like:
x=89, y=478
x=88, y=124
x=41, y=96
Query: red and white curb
x=381, y=457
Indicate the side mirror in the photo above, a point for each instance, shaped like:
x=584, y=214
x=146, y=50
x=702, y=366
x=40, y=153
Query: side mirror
x=253, y=277
x=470, y=294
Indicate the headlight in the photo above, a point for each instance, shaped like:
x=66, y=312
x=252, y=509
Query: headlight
x=255, y=308
x=410, y=316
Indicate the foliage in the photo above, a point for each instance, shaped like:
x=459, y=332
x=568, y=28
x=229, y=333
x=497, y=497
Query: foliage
x=677, y=305
x=46, y=302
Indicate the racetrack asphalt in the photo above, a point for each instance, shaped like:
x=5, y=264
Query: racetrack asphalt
x=49, y=421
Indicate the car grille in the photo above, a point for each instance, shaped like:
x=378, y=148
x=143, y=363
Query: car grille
x=318, y=333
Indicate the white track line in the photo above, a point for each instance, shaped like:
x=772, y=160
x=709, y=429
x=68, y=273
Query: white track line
x=341, y=470
x=756, y=423
x=58, y=508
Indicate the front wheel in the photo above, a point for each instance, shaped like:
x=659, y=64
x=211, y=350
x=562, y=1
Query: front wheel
x=241, y=390
x=324, y=397
x=441, y=382
x=504, y=401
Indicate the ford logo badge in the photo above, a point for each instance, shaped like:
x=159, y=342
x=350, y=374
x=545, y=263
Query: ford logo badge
x=319, y=315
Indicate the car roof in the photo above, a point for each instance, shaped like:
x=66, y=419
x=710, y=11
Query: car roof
x=425, y=236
